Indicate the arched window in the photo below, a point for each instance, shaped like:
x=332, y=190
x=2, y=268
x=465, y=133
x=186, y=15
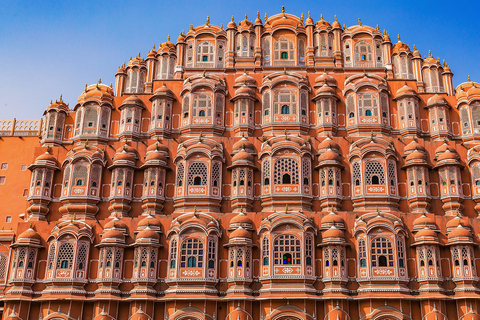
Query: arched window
x=266, y=172
x=363, y=51
x=197, y=174
x=201, y=113
x=180, y=174
x=283, y=50
x=287, y=250
x=286, y=169
x=173, y=253
x=285, y=102
x=205, y=52
x=374, y=173
x=357, y=174
x=265, y=251
x=367, y=105
x=382, y=252
x=362, y=253
x=211, y=253
x=308, y=249
x=65, y=256
x=192, y=253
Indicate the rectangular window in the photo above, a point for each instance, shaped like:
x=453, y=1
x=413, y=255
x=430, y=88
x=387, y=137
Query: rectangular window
x=8, y=219
x=24, y=167
x=2, y=180
x=205, y=58
x=4, y=166
x=25, y=192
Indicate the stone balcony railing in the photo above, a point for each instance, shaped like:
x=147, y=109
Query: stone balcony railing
x=20, y=127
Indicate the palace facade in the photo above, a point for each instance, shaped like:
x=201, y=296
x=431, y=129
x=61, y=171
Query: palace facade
x=281, y=168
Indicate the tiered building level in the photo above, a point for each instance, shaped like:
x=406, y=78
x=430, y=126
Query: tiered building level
x=282, y=168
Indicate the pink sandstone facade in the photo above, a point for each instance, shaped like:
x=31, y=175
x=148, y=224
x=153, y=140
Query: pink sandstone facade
x=276, y=169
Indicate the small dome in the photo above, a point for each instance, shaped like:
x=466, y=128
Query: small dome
x=242, y=156
x=29, y=234
x=326, y=90
x=422, y=220
x=163, y=91
x=329, y=155
x=405, y=91
x=323, y=23
x=412, y=146
x=436, y=100
x=240, y=233
x=241, y=218
x=149, y=222
x=123, y=156
x=155, y=156
x=309, y=20
x=426, y=232
x=58, y=105
x=244, y=91
x=400, y=47
x=243, y=144
x=113, y=234
x=333, y=232
x=97, y=92
x=416, y=156
x=447, y=156
x=147, y=234
x=152, y=53
x=244, y=79
x=459, y=232
x=456, y=221
x=115, y=223
x=157, y=146
x=443, y=148
x=47, y=156
x=132, y=100
x=325, y=78
x=332, y=219
x=328, y=143
x=232, y=24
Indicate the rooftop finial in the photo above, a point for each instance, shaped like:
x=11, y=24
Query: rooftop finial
x=429, y=53
x=204, y=72
x=258, y=14
x=301, y=17
x=283, y=10
x=359, y=22
x=309, y=14
x=398, y=38
x=168, y=38
x=86, y=87
x=139, y=54
x=284, y=70
x=321, y=16
x=286, y=207
x=377, y=27
x=335, y=18
x=246, y=17
x=99, y=80
x=221, y=25
x=286, y=136
x=208, y=20
x=153, y=47
x=191, y=26
x=469, y=78
x=344, y=27
x=233, y=18
x=62, y=99
x=266, y=18
x=414, y=47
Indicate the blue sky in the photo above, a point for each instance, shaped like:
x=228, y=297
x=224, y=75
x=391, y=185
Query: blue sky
x=48, y=48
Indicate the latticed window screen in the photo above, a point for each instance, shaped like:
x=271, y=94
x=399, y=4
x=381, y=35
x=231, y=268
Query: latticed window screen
x=108, y=257
x=180, y=174
x=465, y=120
x=216, y=174
x=306, y=171
x=323, y=177
x=212, y=248
x=363, y=51
x=362, y=252
x=82, y=256
x=476, y=173
x=304, y=103
x=266, y=171
x=202, y=105
x=266, y=52
x=90, y=117
x=265, y=251
x=143, y=257
x=31, y=258
x=285, y=102
x=185, y=105
x=192, y=253
x=286, y=166
x=392, y=173
x=400, y=252
x=384, y=105
x=378, y=54
x=284, y=46
x=118, y=258
x=21, y=256
x=51, y=256
x=65, y=256
x=308, y=249
x=476, y=116
x=286, y=250
x=3, y=266
x=351, y=106
x=197, y=169
x=173, y=253
x=326, y=257
x=367, y=105
x=382, y=252
x=205, y=52
x=153, y=257
x=357, y=174
x=374, y=169
x=335, y=257
x=301, y=52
